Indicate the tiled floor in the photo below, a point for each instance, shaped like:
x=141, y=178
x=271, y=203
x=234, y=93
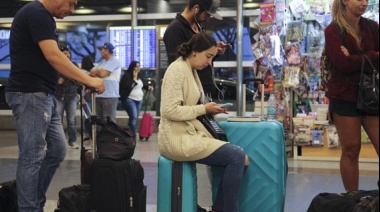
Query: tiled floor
x=305, y=178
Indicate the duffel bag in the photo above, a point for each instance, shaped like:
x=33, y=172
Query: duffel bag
x=8, y=196
x=76, y=198
x=352, y=201
x=113, y=141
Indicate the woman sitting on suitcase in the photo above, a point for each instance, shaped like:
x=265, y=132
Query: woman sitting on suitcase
x=181, y=137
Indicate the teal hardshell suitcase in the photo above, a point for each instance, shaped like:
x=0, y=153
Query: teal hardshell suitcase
x=264, y=183
x=177, y=186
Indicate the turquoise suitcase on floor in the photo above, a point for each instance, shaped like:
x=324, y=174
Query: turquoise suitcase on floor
x=264, y=183
x=177, y=186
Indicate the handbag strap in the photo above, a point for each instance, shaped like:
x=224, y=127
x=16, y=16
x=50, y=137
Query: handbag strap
x=365, y=57
x=363, y=64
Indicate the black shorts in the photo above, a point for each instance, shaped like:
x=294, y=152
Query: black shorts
x=347, y=109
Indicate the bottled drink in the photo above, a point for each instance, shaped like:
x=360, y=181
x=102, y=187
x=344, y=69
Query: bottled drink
x=310, y=37
x=272, y=107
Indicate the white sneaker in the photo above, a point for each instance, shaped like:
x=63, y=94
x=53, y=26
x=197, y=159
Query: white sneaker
x=87, y=144
x=73, y=146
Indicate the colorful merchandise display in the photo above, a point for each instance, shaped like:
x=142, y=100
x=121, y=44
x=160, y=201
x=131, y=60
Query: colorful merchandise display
x=288, y=52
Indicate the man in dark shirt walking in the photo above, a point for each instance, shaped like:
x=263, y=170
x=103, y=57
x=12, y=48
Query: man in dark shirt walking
x=187, y=24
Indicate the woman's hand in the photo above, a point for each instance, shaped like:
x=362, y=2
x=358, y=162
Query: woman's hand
x=213, y=108
x=135, y=73
x=345, y=51
x=246, y=162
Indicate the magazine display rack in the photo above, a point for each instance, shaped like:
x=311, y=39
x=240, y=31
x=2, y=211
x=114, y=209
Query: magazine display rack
x=288, y=51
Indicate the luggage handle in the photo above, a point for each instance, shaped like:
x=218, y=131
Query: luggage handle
x=262, y=92
x=93, y=125
x=80, y=89
x=147, y=97
x=93, y=91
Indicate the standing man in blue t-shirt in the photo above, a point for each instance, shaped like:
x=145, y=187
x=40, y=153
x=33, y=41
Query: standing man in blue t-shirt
x=109, y=68
x=36, y=63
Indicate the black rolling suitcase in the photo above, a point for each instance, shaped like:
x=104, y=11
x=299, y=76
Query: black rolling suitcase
x=77, y=198
x=117, y=186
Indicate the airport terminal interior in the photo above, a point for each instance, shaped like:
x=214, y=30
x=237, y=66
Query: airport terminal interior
x=312, y=146
x=305, y=178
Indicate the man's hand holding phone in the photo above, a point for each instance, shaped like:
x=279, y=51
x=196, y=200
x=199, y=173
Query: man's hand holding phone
x=222, y=46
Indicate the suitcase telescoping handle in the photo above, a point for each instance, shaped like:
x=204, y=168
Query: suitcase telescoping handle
x=262, y=92
x=80, y=91
x=146, y=100
x=93, y=124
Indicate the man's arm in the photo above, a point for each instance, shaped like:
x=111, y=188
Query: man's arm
x=63, y=65
x=99, y=72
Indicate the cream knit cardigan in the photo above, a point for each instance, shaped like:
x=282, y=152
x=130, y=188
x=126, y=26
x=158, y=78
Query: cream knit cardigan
x=181, y=137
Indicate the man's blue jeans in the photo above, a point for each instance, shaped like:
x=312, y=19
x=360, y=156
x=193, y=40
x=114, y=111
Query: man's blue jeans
x=231, y=157
x=133, y=108
x=42, y=146
x=70, y=106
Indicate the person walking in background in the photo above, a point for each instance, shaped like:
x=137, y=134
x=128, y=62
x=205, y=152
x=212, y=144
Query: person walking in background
x=131, y=93
x=36, y=62
x=181, y=137
x=87, y=63
x=109, y=68
x=184, y=26
x=344, y=84
x=67, y=100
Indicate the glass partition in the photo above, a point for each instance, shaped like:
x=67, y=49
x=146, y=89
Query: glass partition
x=84, y=33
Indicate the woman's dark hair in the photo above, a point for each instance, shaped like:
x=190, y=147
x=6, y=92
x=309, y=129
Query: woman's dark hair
x=203, y=5
x=198, y=43
x=131, y=66
x=87, y=63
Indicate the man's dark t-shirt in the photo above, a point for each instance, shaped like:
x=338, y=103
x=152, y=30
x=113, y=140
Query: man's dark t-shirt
x=179, y=31
x=30, y=71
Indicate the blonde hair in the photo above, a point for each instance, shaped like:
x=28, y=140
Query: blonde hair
x=340, y=17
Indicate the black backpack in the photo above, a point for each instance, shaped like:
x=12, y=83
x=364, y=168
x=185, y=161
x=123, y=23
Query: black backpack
x=8, y=196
